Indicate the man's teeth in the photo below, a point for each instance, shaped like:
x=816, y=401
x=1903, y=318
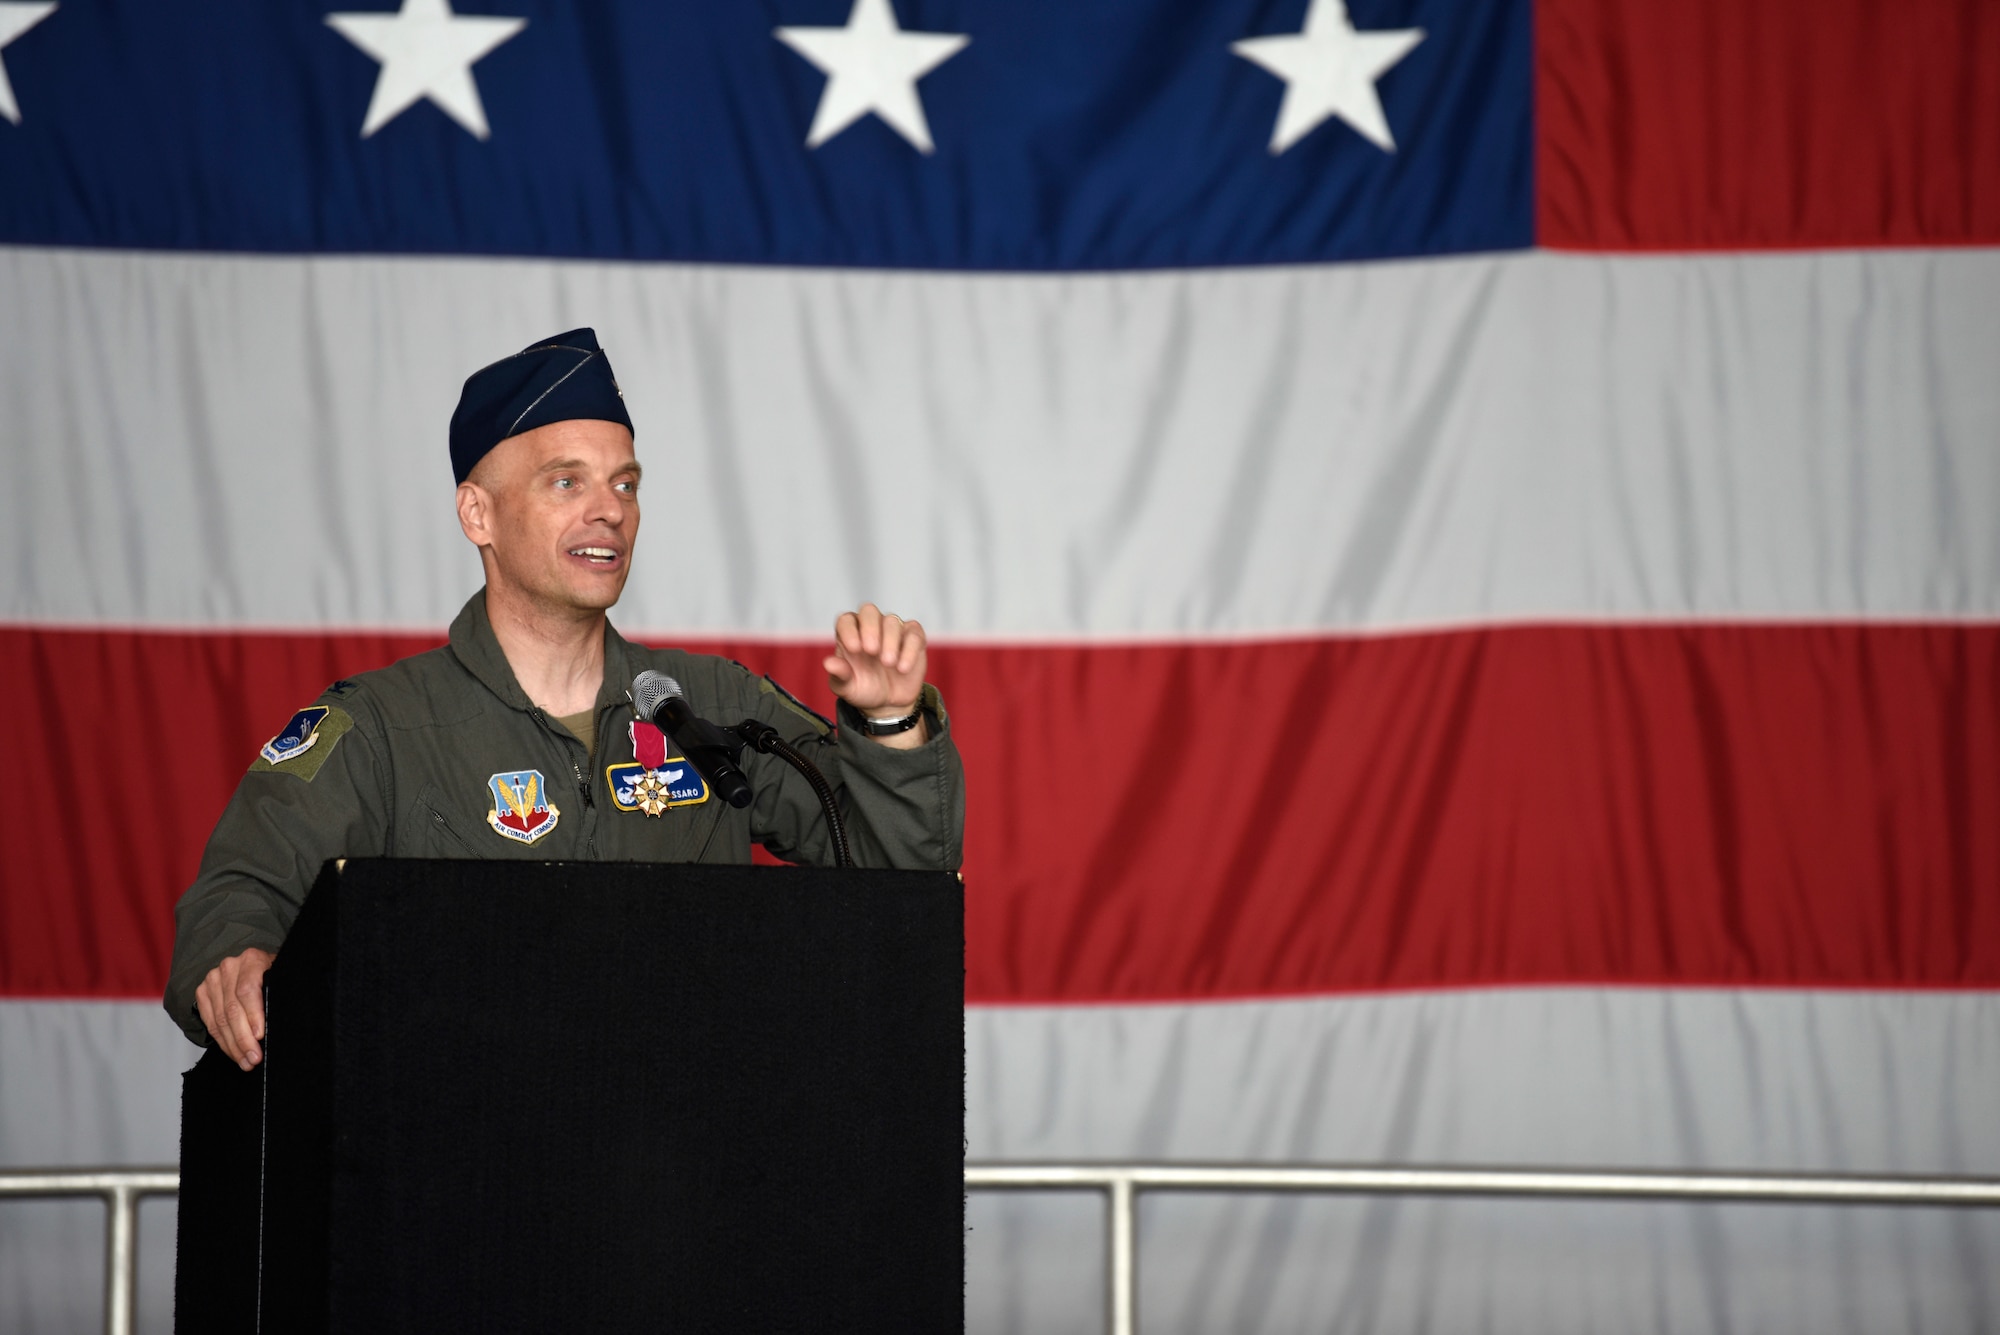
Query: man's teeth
x=594, y=553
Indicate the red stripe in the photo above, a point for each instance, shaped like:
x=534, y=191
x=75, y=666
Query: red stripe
x=123, y=760
x=1794, y=806
x=1721, y=123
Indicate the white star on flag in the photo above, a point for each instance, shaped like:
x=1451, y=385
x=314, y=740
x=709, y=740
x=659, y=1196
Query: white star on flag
x=1329, y=69
x=872, y=65
x=16, y=17
x=425, y=51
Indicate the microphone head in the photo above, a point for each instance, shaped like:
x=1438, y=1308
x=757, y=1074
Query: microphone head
x=651, y=689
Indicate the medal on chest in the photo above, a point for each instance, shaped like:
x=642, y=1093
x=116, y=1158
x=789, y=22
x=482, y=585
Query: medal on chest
x=653, y=782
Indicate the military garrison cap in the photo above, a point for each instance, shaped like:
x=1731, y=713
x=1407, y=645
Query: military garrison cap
x=555, y=380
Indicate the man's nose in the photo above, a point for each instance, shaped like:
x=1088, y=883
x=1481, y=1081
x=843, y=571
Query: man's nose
x=607, y=503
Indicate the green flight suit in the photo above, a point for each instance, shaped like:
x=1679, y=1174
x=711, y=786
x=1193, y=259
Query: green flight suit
x=403, y=763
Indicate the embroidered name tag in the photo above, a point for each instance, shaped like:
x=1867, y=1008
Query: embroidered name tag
x=637, y=788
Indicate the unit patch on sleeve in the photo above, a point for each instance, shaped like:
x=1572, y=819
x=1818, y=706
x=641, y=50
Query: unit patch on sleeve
x=521, y=806
x=305, y=743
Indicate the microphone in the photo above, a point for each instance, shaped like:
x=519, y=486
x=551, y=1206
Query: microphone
x=708, y=748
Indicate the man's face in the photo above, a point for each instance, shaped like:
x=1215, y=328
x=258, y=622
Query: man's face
x=557, y=509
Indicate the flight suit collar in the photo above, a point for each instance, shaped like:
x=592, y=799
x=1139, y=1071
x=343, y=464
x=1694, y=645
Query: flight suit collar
x=623, y=660
x=478, y=650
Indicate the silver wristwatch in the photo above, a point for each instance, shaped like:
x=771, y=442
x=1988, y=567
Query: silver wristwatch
x=889, y=727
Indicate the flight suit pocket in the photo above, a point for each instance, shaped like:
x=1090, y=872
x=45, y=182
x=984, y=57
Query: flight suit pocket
x=439, y=838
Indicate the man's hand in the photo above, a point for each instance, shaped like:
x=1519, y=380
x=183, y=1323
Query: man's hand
x=231, y=1000
x=877, y=666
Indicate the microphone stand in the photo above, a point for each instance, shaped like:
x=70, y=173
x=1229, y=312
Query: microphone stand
x=762, y=737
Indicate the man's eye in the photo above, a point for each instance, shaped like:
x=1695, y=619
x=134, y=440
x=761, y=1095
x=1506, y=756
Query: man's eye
x=629, y=488
x=565, y=484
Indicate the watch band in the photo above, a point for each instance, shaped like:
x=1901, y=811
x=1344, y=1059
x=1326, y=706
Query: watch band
x=889, y=727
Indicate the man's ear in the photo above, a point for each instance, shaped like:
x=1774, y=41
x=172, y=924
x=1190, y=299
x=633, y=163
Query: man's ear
x=475, y=514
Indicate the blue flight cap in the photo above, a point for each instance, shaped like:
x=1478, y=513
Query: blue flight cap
x=555, y=380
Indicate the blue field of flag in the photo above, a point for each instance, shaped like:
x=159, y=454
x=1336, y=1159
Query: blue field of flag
x=1088, y=134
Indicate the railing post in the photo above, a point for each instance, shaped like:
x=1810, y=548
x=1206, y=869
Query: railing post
x=120, y=1258
x=1124, y=1266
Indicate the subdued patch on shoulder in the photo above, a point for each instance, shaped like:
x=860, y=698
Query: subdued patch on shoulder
x=343, y=688
x=305, y=743
x=796, y=705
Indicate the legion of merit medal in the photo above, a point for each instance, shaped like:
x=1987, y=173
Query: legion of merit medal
x=649, y=748
x=653, y=782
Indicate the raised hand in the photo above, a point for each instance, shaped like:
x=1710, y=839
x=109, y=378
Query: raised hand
x=877, y=664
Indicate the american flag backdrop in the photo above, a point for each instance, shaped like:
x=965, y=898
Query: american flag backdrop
x=1462, y=539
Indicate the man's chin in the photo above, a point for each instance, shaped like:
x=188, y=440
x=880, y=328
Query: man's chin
x=598, y=595
x=571, y=597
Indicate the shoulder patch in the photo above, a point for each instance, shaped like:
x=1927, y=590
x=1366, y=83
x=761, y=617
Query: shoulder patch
x=304, y=743
x=798, y=706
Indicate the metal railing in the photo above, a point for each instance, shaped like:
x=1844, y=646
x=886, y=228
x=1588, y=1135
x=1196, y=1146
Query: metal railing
x=1121, y=1183
x=120, y=1189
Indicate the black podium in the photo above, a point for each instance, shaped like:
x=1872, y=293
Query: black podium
x=607, y=1097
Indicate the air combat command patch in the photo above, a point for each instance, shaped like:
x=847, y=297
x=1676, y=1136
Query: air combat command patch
x=305, y=742
x=521, y=808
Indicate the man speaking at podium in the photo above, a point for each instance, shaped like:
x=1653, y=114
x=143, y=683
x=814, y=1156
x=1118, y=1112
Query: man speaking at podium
x=518, y=739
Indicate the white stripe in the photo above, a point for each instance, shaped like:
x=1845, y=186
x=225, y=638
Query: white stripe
x=1840, y=1081
x=82, y=1084
x=254, y=441
x=1773, y=1080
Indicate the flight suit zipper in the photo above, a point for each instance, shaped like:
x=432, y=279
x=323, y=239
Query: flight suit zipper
x=589, y=806
x=582, y=780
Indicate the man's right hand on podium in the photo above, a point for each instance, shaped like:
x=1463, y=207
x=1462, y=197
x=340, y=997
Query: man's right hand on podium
x=231, y=1000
